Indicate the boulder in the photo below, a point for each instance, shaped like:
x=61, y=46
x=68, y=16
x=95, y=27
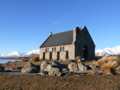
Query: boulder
x=54, y=68
x=2, y=69
x=53, y=71
x=72, y=66
x=81, y=68
x=26, y=68
x=117, y=70
x=77, y=66
x=62, y=67
x=30, y=68
x=43, y=66
x=57, y=64
x=108, y=64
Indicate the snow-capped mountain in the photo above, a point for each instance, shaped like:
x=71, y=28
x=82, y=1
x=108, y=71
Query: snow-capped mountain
x=11, y=54
x=17, y=54
x=108, y=51
x=37, y=51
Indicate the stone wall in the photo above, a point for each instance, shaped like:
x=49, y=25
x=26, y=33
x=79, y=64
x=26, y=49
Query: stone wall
x=54, y=55
x=47, y=55
x=62, y=54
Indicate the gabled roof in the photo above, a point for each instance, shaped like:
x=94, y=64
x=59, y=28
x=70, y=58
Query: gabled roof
x=62, y=38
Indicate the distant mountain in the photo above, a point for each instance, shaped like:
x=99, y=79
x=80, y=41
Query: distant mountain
x=17, y=54
x=108, y=51
x=11, y=54
x=36, y=51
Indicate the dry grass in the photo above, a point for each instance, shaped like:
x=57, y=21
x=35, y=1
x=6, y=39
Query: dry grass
x=35, y=82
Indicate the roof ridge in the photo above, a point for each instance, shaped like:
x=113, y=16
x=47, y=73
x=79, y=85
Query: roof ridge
x=62, y=32
x=46, y=40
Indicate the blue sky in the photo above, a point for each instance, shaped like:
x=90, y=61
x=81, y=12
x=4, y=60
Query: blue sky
x=25, y=24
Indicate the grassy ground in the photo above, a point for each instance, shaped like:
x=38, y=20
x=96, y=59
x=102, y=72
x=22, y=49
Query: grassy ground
x=35, y=82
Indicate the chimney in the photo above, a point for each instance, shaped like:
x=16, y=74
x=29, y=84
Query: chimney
x=50, y=34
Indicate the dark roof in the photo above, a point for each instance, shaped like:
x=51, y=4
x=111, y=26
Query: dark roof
x=62, y=38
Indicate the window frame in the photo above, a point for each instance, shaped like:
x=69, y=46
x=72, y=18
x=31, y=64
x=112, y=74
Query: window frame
x=62, y=49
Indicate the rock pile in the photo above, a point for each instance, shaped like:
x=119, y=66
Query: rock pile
x=108, y=65
x=76, y=66
x=53, y=69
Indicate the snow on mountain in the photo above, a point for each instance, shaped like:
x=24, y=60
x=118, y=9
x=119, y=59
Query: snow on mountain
x=108, y=51
x=11, y=54
x=37, y=51
x=17, y=54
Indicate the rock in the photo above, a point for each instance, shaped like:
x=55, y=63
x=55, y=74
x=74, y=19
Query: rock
x=65, y=72
x=77, y=66
x=54, y=68
x=2, y=69
x=26, y=68
x=30, y=68
x=43, y=73
x=72, y=66
x=117, y=70
x=54, y=63
x=108, y=64
x=43, y=66
x=57, y=64
x=35, y=68
x=53, y=71
x=49, y=68
x=81, y=67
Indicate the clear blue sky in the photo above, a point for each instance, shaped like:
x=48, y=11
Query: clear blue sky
x=25, y=24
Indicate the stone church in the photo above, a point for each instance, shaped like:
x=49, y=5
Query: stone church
x=68, y=45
